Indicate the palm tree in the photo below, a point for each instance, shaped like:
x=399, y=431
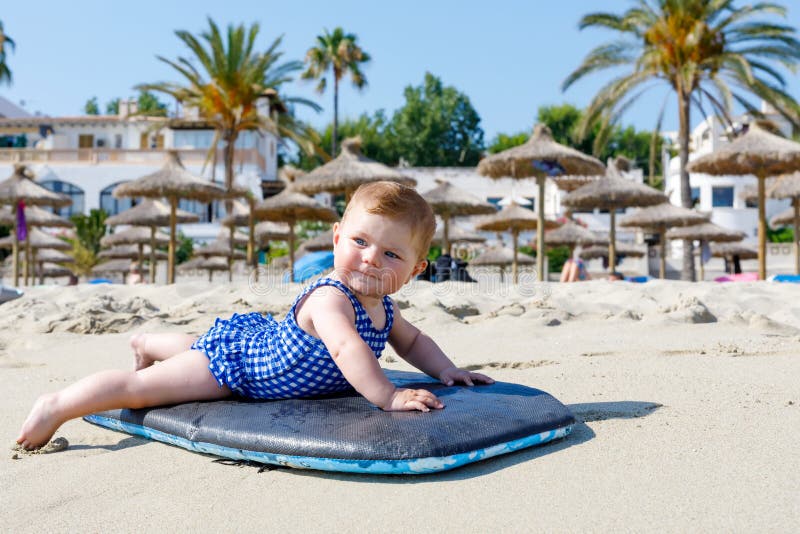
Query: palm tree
x=5, y=39
x=339, y=52
x=706, y=51
x=229, y=83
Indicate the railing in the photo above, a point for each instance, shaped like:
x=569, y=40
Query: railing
x=247, y=156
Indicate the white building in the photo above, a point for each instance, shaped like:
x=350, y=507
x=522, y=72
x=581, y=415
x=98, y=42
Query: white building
x=86, y=157
x=721, y=195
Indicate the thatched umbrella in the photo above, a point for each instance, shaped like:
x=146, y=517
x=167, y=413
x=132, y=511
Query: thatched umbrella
x=242, y=215
x=130, y=252
x=457, y=235
x=707, y=232
x=219, y=248
x=759, y=153
x=449, y=201
x=151, y=213
x=51, y=256
x=657, y=219
x=323, y=241
x=513, y=219
x=624, y=249
x=539, y=156
x=346, y=172
x=119, y=266
x=502, y=257
x=571, y=234
x=271, y=231
x=20, y=190
x=730, y=250
x=788, y=186
x=290, y=207
x=38, y=217
x=209, y=264
x=37, y=240
x=137, y=235
x=51, y=270
x=173, y=182
x=611, y=193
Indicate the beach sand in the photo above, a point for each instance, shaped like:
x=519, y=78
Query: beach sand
x=687, y=397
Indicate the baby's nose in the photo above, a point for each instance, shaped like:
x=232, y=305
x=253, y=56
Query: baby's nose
x=371, y=256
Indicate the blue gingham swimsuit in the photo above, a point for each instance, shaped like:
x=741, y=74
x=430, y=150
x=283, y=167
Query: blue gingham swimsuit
x=258, y=357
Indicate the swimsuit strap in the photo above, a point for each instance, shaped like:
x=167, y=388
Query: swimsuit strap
x=358, y=308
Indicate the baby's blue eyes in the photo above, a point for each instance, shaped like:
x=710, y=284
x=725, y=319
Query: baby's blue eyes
x=392, y=254
x=360, y=242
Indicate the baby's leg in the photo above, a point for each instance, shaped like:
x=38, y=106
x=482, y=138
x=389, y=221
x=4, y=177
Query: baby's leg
x=182, y=378
x=149, y=348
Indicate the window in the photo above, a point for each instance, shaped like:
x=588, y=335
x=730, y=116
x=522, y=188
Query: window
x=722, y=197
x=695, y=196
x=117, y=140
x=495, y=201
x=85, y=141
x=111, y=205
x=72, y=191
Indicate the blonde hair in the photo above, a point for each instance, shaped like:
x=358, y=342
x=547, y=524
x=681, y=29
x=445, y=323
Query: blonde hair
x=401, y=203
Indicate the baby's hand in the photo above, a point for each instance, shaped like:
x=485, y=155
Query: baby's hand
x=452, y=375
x=413, y=399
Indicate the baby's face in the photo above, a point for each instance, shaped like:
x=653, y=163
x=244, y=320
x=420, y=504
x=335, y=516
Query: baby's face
x=374, y=255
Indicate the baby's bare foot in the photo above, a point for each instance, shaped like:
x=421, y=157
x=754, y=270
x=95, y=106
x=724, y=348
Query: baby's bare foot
x=140, y=359
x=41, y=423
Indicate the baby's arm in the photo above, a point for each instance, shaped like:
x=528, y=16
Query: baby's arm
x=423, y=353
x=334, y=322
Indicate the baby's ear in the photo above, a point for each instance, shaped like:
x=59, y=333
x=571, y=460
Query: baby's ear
x=336, y=228
x=419, y=267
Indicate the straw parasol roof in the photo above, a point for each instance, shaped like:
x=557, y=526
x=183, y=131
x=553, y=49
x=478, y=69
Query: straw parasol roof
x=53, y=256
x=449, y=201
x=19, y=187
x=501, y=257
x=129, y=252
x=761, y=154
x=150, y=212
x=539, y=156
x=38, y=239
x=656, y=219
x=269, y=231
x=239, y=216
x=571, y=234
x=51, y=270
x=35, y=216
x=113, y=266
x=513, y=219
x=173, y=181
x=785, y=186
x=323, y=241
x=289, y=173
x=290, y=206
x=457, y=235
x=219, y=248
x=347, y=171
x=240, y=239
x=706, y=231
x=729, y=250
x=623, y=249
x=133, y=235
x=209, y=264
x=784, y=218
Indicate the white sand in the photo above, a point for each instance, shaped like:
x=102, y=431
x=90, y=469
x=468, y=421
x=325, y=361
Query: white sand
x=688, y=397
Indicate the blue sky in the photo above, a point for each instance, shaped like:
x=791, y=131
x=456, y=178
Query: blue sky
x=508, y=57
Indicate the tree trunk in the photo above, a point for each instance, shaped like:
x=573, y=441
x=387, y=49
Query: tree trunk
x=230, y=151
x=687, y=268
x=335, y=115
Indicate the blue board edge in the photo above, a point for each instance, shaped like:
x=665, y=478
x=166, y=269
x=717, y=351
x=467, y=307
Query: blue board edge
x=413, y=466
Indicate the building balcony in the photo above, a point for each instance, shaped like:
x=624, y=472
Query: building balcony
x=95, y=156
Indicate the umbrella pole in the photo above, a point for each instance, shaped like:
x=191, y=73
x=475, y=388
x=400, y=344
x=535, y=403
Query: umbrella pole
x=173, y=206
x=15, y=245
x=152, y=254
x=252, y=257
x=141, y=261
x=662, y=266
x=539, y=234
x=514, y=267
x=230, y=258
x=796, y=205
x=702, y=267
x=210, y=275
x=27, y=261
x=762, y=230
x=612, y=237
x=41, y=269
x=446, y=219
x=291, y=251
